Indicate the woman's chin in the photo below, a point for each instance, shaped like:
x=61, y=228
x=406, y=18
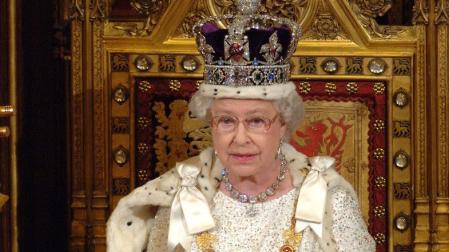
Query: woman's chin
x=243, y=170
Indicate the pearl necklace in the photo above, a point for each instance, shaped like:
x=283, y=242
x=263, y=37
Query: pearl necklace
x=261, y=197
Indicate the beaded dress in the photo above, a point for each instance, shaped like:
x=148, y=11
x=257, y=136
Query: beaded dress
x=264, y=232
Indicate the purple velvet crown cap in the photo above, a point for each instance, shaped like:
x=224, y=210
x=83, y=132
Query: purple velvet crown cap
x=256, y=37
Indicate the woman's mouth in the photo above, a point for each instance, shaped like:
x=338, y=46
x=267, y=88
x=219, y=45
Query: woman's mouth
x=240, y=157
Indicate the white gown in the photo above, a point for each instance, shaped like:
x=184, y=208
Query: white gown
x=236, y=231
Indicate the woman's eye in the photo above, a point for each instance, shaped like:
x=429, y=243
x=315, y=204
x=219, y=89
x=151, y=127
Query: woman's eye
x=226, y=121
x=256, y=122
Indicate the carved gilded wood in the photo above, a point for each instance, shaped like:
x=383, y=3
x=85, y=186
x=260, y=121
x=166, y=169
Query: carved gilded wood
x=114, y=60
x=441, y=204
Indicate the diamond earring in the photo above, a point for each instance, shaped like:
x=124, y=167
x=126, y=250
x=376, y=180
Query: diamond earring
x=279, y=153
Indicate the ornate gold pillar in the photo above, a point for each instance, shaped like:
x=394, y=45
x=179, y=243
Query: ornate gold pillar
x=88, y=162
x=422, y=210
x=432, y=188
x=441, y=110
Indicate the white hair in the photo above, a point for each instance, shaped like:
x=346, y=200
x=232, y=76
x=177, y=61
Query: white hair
x=290, y=107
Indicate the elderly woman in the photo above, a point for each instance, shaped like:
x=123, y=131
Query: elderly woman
x=251, y=191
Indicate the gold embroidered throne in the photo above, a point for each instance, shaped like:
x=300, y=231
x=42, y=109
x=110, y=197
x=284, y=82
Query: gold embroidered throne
x=359, y=80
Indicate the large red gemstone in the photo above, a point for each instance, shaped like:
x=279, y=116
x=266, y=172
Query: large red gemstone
x=236, y=51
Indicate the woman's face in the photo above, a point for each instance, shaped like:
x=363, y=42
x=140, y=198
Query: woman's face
x=246, y=150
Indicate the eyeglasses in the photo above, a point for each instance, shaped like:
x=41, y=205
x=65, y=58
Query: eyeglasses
x=253, y=124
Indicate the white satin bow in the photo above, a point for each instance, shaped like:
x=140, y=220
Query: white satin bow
x=312, y=197
x=190, y=212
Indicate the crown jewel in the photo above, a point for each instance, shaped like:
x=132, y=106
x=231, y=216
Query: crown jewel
x=252, y=50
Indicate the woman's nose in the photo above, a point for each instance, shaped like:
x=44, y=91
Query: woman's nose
x=241, y=134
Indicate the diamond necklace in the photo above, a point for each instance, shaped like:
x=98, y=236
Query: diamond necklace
x=261, y=197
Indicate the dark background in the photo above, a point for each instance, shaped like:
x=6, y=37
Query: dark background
x=42, y=157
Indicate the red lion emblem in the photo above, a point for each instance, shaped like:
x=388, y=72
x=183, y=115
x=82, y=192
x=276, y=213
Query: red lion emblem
x=323, y=137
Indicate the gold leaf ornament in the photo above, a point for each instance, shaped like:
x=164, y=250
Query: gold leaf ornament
x=205, y=241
